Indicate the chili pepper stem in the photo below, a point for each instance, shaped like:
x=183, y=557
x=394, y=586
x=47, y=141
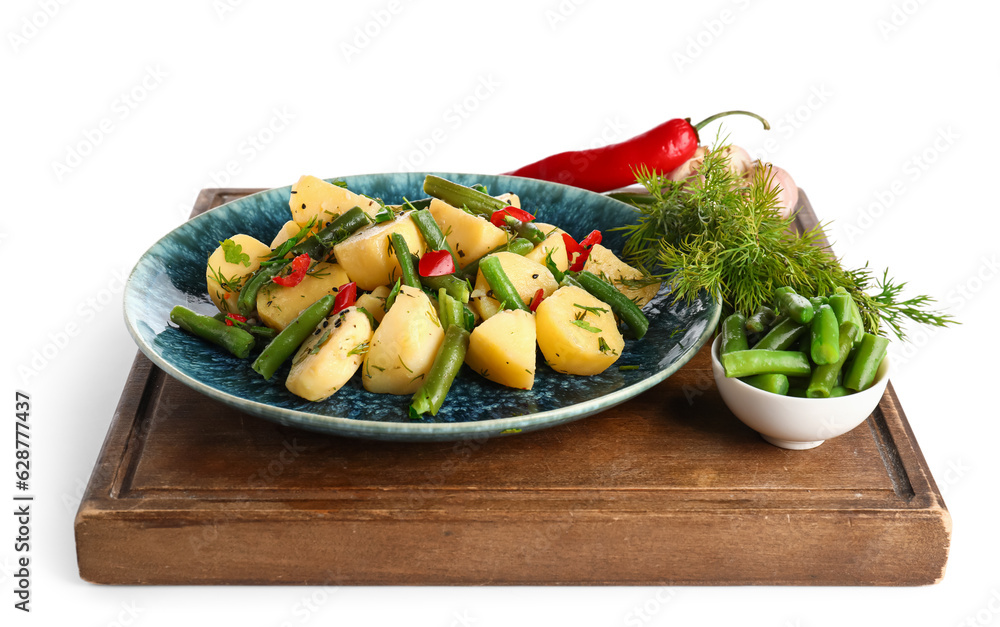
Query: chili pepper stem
x=710, y=119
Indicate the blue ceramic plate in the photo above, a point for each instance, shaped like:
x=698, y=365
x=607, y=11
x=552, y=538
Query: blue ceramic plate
x=172, y=272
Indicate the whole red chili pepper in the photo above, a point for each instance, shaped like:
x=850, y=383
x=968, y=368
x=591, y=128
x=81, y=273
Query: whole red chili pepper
x=662, y=149
x=300, y=265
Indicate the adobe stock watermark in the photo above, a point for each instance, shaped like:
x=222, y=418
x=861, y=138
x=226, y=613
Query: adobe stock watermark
x=251, y=146
x=785, y=127
x=986, y=614
x=711, y=30
x=453, y=118
x=59, y=340
x=126, y=615
x=642, y=613
x=912, y=170
x=373, y=27
x=958, y=298
x=31, y=25
x=952, y=474
x=560, y=13
x=899, y=15
x=121, y=108
x=223, y=8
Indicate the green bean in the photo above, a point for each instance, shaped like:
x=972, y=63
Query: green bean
x=457, y=288
x=517, y=245
x=405, y=259
x=449, y=310
x=623, y=307
x=761, y=320
x=824, y=377
x=287, y=342
x=445, y=368
x=824, y=336
x=458, y=195
x=314, y=246
x=734, y=337
x=841, y=306
x=257, y=331
x=526, y=230
x=781, y=336
x=856, y=318
x=839, y=390
x=468, y=318
x=431, y=232
x=570, y=279
x=871, y=352
x=796, y=307
x=416, y=205
x=751, y=362
x=232, y=338
x=503, y=289
x=774, y=383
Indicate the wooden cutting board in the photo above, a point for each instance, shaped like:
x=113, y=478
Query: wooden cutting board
x=668, y=488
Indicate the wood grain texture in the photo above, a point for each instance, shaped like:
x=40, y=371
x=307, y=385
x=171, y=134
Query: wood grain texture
x=668, y=488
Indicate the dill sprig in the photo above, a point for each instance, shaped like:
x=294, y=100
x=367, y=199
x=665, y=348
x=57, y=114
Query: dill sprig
x=722, y=233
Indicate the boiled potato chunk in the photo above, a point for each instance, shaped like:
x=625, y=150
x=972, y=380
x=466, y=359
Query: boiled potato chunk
x=313, y=197
x=606, y=265
x=288, y=230
x=368, y=257
x=502, y=349
x=278, y=305
x=404, y=346
x=330, y=356
x=511, y=199
x=374, y=302
x=469, y=236
x=225, y=278
x=577, y=332
x=552, y=242
x=526, y=275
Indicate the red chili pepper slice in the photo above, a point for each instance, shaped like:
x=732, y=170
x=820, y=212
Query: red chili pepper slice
x=581, y=251
x=537, y=299
x=300, y=265
x=497, y=219
x=234, y=316
x=436, y=263
x=347, y=295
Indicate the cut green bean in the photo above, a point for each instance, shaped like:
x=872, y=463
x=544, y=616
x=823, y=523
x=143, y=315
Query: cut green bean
x=824, y=377
x=458, y=195
x=232, y=338
x=315, y=246
x=761, y=320
x=839, y=390
x=751, y=362
x=626, y=310
x=445, y=368
x=405, y=259
x=457, y=288
x=255, y=330
x=871, y=351
x=287, y=342
x=824, y=336
x=841, y=306
x=773, y=383
x=518, y=246
x=781, y=336
x=431, y=232
x=734, y=337
x=503, y=289
x=796, y=307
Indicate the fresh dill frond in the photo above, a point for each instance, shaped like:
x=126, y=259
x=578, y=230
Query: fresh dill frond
x=721, y=233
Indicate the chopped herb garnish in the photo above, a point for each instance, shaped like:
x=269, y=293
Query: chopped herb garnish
x=234, y=252
x=593, y=310
x=586, y=326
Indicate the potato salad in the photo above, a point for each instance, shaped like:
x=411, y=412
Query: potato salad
x=404, y=296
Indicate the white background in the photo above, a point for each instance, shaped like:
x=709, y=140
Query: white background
x=884, y=112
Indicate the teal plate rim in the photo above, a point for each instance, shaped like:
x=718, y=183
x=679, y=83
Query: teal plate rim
x=408, y=431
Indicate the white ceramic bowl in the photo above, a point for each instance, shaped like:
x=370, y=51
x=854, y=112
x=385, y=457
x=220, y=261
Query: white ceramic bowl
x=797, y=423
